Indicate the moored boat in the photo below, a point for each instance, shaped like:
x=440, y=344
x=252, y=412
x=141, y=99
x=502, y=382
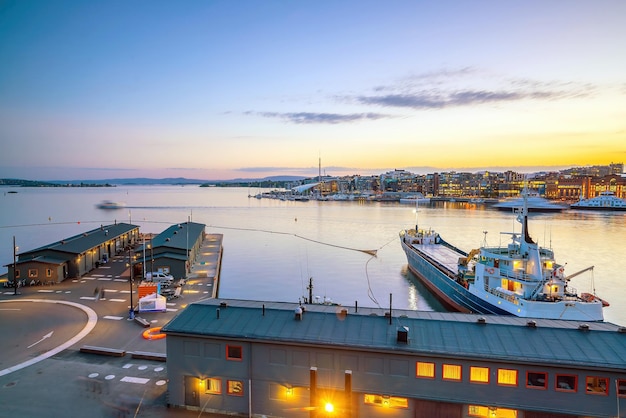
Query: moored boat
x=521, y=278
x=109, y=204
x=605, y=201
x=533, y=201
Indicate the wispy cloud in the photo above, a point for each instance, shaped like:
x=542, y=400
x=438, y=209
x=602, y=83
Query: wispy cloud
x=321, y=118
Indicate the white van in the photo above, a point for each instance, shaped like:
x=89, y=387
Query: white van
x=158, y=277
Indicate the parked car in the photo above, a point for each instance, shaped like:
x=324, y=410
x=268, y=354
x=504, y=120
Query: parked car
x=159, y=277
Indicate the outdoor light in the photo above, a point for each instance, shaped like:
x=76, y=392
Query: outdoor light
x=329, y=407
x=289, y=391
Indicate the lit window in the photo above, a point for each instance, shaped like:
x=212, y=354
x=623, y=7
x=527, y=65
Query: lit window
x=386, y=401
x=48, y=272
x=17, y=273
x=479, y=374
x=233, y=352
x=451, y=372
x=537, y=380
x=566, y=382
x=490, y=412
x=621, y=387
x=33, y=273
x=235, y=387
x=425, y=369
x=597, y=385
x=213, y=385
x=507, y=377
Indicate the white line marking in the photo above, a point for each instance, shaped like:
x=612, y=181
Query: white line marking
x=116, y=318
x=134, y=380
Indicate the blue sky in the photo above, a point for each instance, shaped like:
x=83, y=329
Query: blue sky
x=231, y=89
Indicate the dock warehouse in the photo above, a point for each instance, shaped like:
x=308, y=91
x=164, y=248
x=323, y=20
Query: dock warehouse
x=174, y=250
x=255, y=358
x=74, y=256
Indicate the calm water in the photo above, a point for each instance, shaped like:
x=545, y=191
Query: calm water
x=272, y=247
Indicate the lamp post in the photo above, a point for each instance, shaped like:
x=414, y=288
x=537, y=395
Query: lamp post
x=14, y=267
x=131, y=311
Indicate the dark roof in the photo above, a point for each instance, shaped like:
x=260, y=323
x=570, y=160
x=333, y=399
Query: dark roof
x=87, y=240
x=179, y=236
x=507, y=338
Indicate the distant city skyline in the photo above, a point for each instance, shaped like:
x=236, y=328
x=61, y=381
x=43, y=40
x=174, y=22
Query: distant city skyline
x=224, y=90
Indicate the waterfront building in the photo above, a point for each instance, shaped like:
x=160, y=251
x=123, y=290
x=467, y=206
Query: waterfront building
x=73, y=256
x=254, y=358
x=174, y=250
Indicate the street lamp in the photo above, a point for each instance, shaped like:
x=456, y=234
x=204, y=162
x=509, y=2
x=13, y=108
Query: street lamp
x=131, y=311
x=14, y=266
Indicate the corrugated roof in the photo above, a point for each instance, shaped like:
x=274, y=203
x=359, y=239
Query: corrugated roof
x=432, y=333
x=179, y=236
x=87, y=240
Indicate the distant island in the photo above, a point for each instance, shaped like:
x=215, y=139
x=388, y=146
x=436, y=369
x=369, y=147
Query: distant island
x=37, y=183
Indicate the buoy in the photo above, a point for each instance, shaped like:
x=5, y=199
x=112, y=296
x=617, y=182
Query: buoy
x=153, y=334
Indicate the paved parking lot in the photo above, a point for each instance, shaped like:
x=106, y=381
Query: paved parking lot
x=62, y=381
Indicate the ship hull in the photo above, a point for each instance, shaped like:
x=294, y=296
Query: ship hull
x=440, y=282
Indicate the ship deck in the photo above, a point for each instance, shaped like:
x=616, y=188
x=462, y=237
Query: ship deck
x=443, y=255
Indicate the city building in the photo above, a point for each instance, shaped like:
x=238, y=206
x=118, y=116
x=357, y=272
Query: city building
x=253, y=358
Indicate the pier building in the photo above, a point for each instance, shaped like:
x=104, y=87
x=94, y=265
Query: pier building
x=74, y=256
x=253, y=358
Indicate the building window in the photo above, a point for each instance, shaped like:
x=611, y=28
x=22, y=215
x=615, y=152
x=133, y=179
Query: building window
x=479, y=374
x=213, y=385
x=537, y=380
x=451, y=372
x=233, y=352
x=490, y=411
x=621, y=388
x=17, y=273
x=597, y=385
x=386, y=401
x=33, y=272
x=235, y=387
x=507, y=377
x=48, y=272
x=425, y=369
x=566, y=382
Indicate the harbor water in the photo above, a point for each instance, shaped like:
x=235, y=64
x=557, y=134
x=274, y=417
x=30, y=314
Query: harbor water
x=272, y=247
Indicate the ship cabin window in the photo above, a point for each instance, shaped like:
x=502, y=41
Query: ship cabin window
x=426, y=370
x=597, y=385
x=507, y=377
x=451, y=372
x=233, y=352
x=479, y=374
x=621, y=388
x=213, y=386
x=537, y=380
x=235, y=387
x=386, y=401
x=566, y=383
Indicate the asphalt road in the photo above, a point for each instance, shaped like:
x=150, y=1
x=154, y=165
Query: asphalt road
x=42, y=371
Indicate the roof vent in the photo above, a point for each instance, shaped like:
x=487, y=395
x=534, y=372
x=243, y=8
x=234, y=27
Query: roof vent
x=481, y=320
x=223, y=304
x=583, y=327
x=403, y=335
x=298, y=312
x=167, y=239
x=342, y=314
x=175, y=232
x=531, y=324
x=621, y=330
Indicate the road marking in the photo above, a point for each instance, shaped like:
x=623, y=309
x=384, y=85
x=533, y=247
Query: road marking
x=45, y=291
x=116, y=318
x=104, y=279
x=88, y=298
x=117, y=300
x=48, y=335
x=130, y=379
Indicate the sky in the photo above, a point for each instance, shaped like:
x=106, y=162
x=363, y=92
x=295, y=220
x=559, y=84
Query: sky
x=220, y=90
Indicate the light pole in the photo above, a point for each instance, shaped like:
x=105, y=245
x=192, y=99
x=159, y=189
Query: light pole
x=14, y=267
x=131, y=311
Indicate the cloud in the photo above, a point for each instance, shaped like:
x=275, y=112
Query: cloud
x=321, y=118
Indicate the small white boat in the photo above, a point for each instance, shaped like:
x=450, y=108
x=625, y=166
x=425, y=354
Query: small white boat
x=415, y=198
x=605, y=201
x=533, y=202
x=109, y=204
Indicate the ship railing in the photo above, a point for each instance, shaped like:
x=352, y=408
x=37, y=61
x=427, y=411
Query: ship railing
x=502, y=295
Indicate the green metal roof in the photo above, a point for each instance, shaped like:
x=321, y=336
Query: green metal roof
x=179, y=236
x=506, y=338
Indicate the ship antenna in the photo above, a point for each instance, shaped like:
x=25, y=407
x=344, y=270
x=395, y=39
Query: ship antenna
x=485, y=239
x=523, y=216
x=416, y=207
